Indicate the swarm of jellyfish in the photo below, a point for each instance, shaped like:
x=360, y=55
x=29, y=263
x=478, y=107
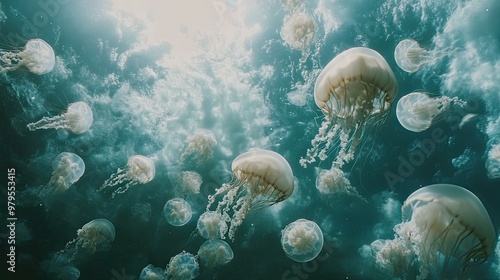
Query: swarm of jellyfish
x=37, y=56
x=77, y=119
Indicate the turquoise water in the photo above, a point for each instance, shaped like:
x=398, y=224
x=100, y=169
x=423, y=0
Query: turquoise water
x=155, y=73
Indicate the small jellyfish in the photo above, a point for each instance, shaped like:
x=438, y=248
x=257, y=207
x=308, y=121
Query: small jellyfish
x=190, y=182
x=77, y=119
x=150, y=272
x=94, y=235
x=37, y=56
x=200, y=147
x=410, y=56
x=215, y=252
x=298, y=30
x=417, y=111
x=333, y=181
x=183, y=266
x=68, y=168
x=209, y=224
x=177, y=212
x=493, y=162
x=394, y=257
x=139, y=170
x=302, y=240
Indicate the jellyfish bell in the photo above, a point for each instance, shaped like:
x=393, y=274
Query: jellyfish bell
x=150, y=272
x=77, y=119
x=410, y=56
x=68, y=168
x=260, y=178
x=177, y=212
x=298, y=30
x=208, y=224
x=302, y=240
x=334, y=181
x=215, y=252
x=37, y=55
x=183, y=266
x=417, y=111
x=355, y=91
x=138, y=170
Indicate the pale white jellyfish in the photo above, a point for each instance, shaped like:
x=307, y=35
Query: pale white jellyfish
x=354, y=91
x=150, y=272
x=139, y=170
x=208, y=224
x=417, y=111
x=37, y=56
x=493, y=162
x=94, y=235
x=183, y=266
x=177, y=212
x=333, y=181
x=394, y=257
x=215, y=252
x=260, y=178
x=410, y=56
x=298, y=30
x=200, y=146
x=77, y=119
x=191, y=182
x=68, y=168
x=302, y=240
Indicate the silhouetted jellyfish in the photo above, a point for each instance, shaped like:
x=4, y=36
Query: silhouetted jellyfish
x=493, y=162
x=215, y=252
x=139, y=170
x=333, y=181
x=302, y=240
x=94, y=235
x=150, y=272
x=200, y=147
x=448, y=228
x=354, y=91
x=209, y=225
x=191, y=182
x=77, y=119
x=260, y=178
x=177, y=212
x=417, y=111
x=183, y=266
x=298, y=30
x=37, y=56
x=68, y=168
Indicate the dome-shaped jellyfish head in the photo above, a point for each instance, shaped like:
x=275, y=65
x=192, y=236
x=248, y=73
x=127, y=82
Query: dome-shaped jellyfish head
x=177, y=212
x=209, y=224
x=77, y=119
x=493, y=162
x=150, y=272
x=260, y=178
x=410, y=56
x=37, y=56
x=68, y=168
x=355, y=91
x=183, y=266
x=298, y=30
x=96, y=234
x=215, y=252
x=449, y=223
x=302, y=240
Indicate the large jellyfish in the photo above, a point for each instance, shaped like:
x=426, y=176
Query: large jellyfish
x=68, y=168
x=139, y=170
x=410, y=56
x=302, y=240
x=215, y=252
x=260, y=178
x=208, y=224
x=177, y=212
x=183, y=266
x=354, y=91
x=493, y=162
x=94, y=235
x=200, y=147
x=298, y=30
x=448, y=228
x=417, y=111
x=77, y=119
x=37, y=56
x=333, y=181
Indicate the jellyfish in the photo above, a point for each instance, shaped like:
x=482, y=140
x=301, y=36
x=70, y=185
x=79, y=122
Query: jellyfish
x=183, y=266
x=200, y=147
x=215, y=252
x=302, y=240
x=139, y=170
x=37, y=56
x=417, y=111
x=177, y=212
x=209, y=224
x=77, y=119
x=298, y=30
x=94, y=235
x=333, y=181
x=191, y=182
x=150, y=272
x=448, y=228
x=493, y=162
x=354, y=91
x=260, y=178
x=68, y=168
x=394, y=257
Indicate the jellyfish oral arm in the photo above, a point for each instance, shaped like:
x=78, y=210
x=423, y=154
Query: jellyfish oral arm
x=57, y=122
